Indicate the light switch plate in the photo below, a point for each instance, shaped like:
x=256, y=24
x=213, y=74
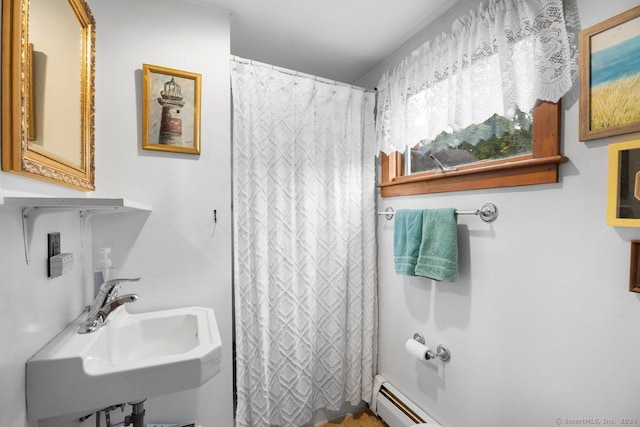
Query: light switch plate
x=54, y=244
x=53, y=241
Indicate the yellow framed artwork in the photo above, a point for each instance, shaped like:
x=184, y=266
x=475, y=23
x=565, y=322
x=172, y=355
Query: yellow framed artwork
x=623, y=196
x=170, y=110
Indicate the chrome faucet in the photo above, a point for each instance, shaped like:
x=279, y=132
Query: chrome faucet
x=115, y=303
x=105, y=302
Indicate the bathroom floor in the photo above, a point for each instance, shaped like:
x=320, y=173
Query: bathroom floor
x=362, y=419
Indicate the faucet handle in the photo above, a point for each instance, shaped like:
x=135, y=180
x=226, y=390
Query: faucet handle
x=112, y=293
x=111, y=287
x=114, y=282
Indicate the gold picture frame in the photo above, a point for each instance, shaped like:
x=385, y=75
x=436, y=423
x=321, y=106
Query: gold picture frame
x=623, y=196
x=170, y=110
x=609, y=77
x=45, y=135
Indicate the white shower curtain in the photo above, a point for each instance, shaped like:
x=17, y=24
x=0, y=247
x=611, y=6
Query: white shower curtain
x=304, y=245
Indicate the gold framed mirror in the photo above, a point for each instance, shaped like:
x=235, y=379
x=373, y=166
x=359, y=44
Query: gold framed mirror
x=48, y=90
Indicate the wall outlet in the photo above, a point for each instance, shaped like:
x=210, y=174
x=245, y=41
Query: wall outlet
x=60, y=264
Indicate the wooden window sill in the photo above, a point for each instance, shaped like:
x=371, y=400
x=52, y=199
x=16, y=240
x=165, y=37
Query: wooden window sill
x=515, y=172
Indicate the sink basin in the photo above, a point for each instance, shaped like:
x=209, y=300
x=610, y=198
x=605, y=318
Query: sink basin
x=130, y=358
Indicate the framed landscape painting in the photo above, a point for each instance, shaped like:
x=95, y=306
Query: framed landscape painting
x=610, y=77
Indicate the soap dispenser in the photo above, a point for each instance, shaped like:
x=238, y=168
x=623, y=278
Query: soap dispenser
x=104, y=271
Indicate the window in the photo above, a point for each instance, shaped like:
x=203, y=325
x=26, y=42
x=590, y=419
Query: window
x=502, y=58
x=496, y=138
x=540, y=166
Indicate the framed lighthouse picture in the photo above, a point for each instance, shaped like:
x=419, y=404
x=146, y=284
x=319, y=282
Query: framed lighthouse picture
x=170, y=110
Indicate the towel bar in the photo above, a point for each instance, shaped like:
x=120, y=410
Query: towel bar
x=488, y=212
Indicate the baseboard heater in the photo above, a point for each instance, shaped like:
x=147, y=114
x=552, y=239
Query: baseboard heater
x=395, y=409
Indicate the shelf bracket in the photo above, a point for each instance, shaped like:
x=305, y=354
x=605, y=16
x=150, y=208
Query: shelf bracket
x=29, y=216
x=86, y=214
x=27, y=231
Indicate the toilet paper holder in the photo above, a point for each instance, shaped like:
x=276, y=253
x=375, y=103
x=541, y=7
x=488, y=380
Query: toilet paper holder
x=441, y=353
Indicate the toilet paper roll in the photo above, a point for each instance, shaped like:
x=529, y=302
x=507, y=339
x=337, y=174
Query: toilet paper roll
x=416, y=349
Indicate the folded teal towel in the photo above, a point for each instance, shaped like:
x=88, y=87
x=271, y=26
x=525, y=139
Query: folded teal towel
x=407, y=235
x=438, y=256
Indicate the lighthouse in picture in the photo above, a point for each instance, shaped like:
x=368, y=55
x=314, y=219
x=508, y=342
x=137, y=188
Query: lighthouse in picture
x=171, y=121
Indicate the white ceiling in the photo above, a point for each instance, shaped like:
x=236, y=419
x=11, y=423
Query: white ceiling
x=337, y=39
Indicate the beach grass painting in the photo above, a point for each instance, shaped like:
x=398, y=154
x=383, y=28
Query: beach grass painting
x=615, y=103
x=610, y=77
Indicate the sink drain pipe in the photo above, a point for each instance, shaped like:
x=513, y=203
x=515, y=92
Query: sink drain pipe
x=136, y=419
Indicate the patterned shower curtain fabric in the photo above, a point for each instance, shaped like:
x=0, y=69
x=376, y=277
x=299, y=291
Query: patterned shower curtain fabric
x=304, y=245
x=504, y=56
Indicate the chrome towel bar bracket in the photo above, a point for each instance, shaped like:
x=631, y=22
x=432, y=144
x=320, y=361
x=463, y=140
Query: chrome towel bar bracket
x=488, y=212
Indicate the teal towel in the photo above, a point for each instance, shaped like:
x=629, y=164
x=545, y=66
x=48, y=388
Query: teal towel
x=438, y=257
x=407, y=235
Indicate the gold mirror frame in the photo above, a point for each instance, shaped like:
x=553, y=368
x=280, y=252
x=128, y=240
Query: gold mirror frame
x=18, y=156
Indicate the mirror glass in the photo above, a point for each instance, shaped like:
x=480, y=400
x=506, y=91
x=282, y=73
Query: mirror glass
x=55, y=78
x=629, y=184
x=623, y=194
x=48, y=113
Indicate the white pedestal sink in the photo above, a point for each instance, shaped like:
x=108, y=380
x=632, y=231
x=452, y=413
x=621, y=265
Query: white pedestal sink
x=130, y=358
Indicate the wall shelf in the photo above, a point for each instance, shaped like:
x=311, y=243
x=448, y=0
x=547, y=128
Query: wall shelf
x=34, y=207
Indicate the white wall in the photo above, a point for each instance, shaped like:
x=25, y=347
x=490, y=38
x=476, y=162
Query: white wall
x=182, y=262
x=540, y=322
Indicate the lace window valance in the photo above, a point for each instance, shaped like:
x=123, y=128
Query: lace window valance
x=501, y=57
